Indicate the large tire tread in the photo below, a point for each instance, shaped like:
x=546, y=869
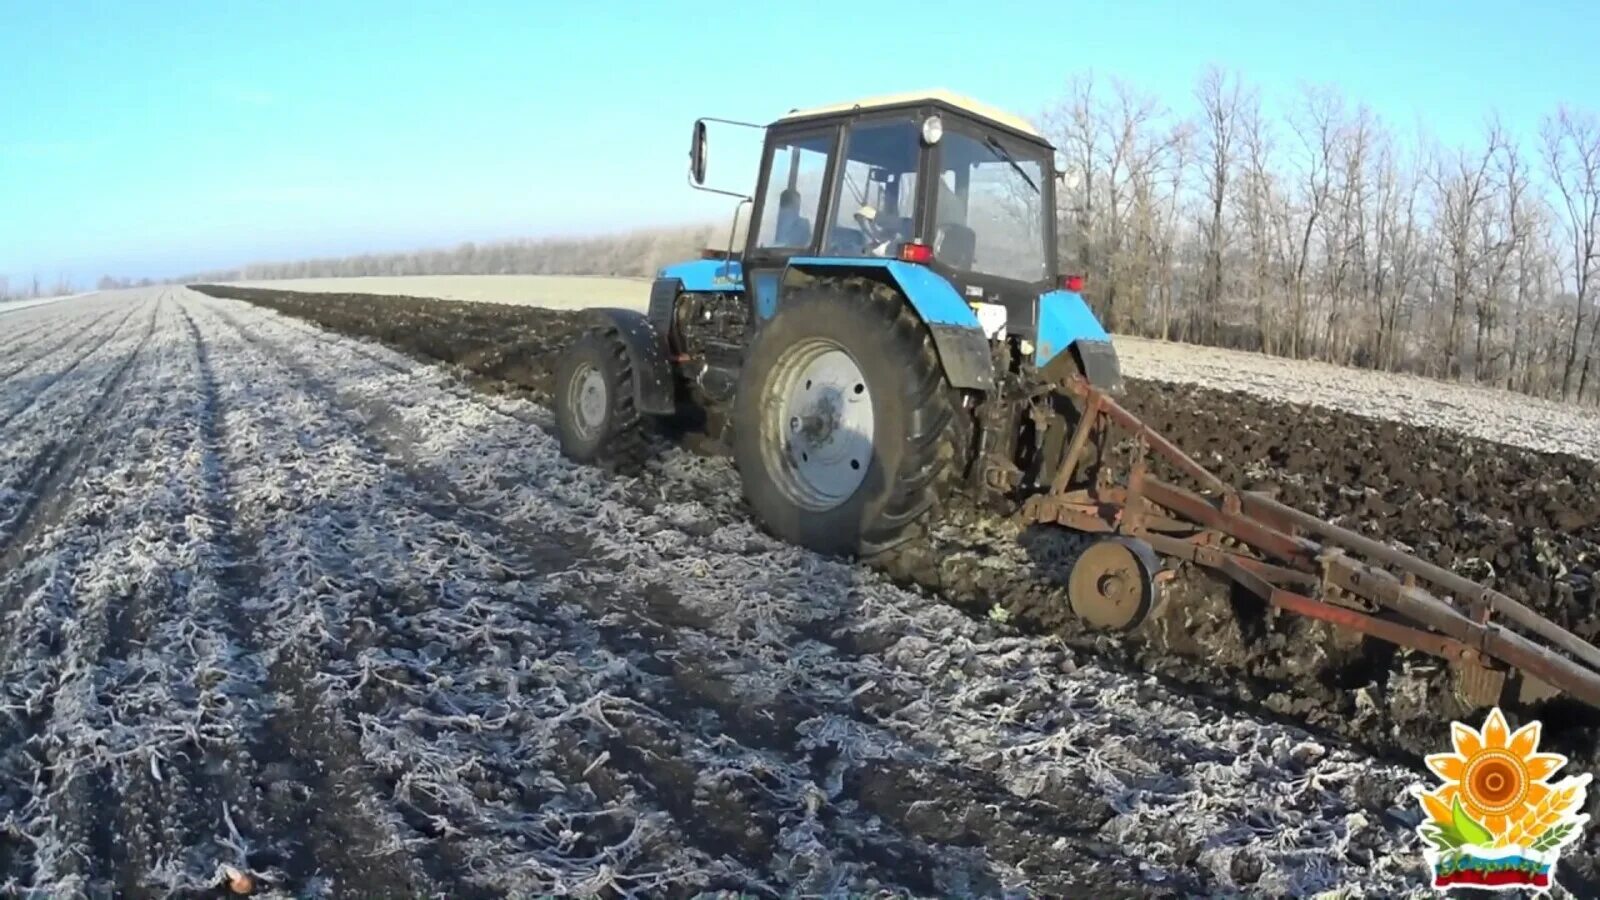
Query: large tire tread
x=932, y=436
x=629, y=448
x=623, y=447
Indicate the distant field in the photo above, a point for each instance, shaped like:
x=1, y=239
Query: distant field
x=1481, y=412
x=548, y=291
x=19, y=305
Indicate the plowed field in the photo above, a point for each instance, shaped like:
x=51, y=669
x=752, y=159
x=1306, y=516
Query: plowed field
x=284, y=604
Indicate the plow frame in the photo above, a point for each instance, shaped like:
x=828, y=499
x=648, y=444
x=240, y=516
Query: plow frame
x=1300, y=564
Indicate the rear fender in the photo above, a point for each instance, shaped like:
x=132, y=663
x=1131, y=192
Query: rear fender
x=1070, y=337
x=957, y=335
x=647, y=351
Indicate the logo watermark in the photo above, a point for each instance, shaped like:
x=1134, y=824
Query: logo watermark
x=1496, y=820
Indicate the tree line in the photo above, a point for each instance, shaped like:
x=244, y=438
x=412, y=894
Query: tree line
x=34, y=289
x=1310, y=229
x=637, y=254
x=1316, y=231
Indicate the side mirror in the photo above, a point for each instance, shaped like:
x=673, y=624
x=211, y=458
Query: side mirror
x=697, y=153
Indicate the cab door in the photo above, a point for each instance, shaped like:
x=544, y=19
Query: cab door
x=791, y=204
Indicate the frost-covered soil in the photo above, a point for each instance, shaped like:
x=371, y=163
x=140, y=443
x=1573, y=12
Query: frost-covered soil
x=1482, y=413
x=281, y=603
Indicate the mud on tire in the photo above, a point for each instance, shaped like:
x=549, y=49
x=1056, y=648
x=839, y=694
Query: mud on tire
x=596, y=419
x=913, y=409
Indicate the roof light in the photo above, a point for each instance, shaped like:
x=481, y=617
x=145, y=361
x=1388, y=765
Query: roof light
x=916, y=252
x=932, y=130
x=1073, y=283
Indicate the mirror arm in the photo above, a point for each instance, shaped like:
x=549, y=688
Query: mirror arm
x=709, y=190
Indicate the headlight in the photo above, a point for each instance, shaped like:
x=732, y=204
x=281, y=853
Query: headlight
x=932, y=129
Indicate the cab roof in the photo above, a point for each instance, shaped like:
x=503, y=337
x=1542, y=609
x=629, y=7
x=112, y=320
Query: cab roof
x=912, y=98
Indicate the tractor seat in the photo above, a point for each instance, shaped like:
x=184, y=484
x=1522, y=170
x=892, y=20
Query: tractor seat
x=955, y=245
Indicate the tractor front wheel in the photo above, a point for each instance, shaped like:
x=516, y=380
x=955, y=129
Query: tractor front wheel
x=842, y=420
x=596, y=419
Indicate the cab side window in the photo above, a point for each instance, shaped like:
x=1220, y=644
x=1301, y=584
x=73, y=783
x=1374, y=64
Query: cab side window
x=794, y=186
x=876, y=206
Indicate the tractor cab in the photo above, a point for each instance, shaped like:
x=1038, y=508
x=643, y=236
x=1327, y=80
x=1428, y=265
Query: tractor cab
x=932, y=179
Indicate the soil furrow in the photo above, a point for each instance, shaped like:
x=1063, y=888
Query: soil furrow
x=29, y=394
x=322, y=819
x=514, y=549
x=60, y=612
x=18, y=339
x=46, y=485
x=68, y=329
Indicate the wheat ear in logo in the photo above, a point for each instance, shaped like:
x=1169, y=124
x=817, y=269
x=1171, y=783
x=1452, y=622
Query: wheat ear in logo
x=1497, y=820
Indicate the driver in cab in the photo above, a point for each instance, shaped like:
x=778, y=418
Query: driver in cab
x=793, y=230
x=877, y=237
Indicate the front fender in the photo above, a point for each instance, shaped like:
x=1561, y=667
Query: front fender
x=957, y=335
x=647, y=354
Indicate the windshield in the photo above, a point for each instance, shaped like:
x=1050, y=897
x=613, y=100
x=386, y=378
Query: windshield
x=990, y=214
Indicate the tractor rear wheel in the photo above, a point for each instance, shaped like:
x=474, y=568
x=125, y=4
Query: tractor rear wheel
x=596, y=419
x=843, y=420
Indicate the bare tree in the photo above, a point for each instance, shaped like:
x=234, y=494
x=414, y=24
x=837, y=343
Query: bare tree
x=1572, y=162
x=1221, y=97
x=1461, y=184
x=1316, y=125
x=1502, y=232
x=1257, y=201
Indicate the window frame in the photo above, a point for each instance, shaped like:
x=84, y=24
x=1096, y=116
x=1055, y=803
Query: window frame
x=1023, y=152
x=756, y=255
x=919, y=197
x=1018, y=296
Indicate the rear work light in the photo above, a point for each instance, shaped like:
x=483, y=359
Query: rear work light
x=1072, y=283
x=916, y=252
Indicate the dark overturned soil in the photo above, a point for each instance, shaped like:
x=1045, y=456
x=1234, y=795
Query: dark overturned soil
x=500, y=348
x=1526, y=522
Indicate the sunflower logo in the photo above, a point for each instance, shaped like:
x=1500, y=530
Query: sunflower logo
x=1497, y=820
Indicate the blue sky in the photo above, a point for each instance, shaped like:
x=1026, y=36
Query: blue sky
x=160, y=137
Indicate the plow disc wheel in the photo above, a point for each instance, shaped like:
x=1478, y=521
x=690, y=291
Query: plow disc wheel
x=1113, y=584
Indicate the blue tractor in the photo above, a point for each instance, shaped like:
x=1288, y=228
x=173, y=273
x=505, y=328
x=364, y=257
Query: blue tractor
x=891, y=331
